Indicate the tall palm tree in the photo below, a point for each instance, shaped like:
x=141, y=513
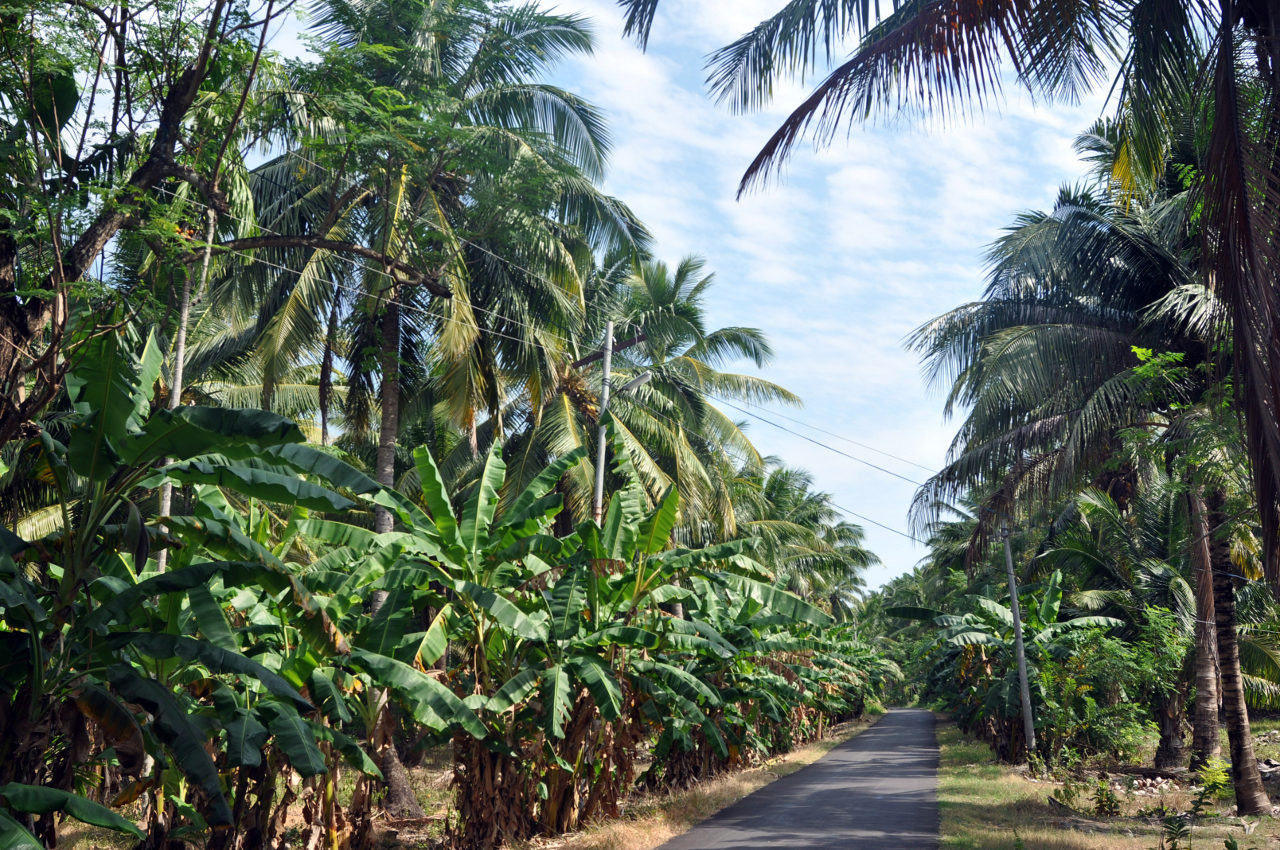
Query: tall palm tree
x=812, y=552
x=1048, y=366
x=442, y=162
x=949, y=57
x=1045, y=363
x=484, y=170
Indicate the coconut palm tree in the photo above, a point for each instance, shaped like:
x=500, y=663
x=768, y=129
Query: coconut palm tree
x=441, y=163
x=812, y=551
x=1058, y=362
x=1046, y=364
x=943, y=59
x=483, y=175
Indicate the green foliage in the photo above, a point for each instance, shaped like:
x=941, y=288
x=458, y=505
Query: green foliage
x=193, y=603
x=1070, y=792
x=1105, y=802
x=258, y=648
x=147, y=656
x=29, y=799
x=1176, y=831
x=1214, y=778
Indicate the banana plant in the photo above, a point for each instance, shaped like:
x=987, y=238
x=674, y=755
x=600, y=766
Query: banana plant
x=98, y=646
x=778, y=678
x=974, y=651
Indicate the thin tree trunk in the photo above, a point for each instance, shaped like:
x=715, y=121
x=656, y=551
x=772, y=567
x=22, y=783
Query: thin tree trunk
x=401, y=802
x=1251, y=796
x=23, y=323
x=1171, y=718
x=1205, y=741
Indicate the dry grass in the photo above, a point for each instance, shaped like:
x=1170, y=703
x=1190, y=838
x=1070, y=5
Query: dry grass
x=992, y=806
x=650, y=820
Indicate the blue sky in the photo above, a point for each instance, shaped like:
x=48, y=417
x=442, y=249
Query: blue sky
x=857, y=245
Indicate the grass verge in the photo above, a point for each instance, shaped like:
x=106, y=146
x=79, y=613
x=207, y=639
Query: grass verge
x=991, y=806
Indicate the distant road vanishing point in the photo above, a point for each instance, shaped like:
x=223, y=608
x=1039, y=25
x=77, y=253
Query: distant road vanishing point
x=877, y=791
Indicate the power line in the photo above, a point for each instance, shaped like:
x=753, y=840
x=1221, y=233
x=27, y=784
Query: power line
x=536, y=343
x=504, y=260
x=297, y=272
x=740, y=459
x=413, y=307
x=867, y=446
x=866, y=518
x=822, y=444
x=528, y=327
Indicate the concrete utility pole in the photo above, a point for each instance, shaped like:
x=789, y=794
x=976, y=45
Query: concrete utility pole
x=1028, y=722
x=180, y=360
x=597, y=505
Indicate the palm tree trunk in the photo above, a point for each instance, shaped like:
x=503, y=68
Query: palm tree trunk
x=1171, y=713
x=401, y=801
x=1251, y=796
x=1205, y=741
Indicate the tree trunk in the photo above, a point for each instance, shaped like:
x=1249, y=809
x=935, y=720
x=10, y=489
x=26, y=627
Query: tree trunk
x=400, y=801
x=1172, y=750
x=326, y=366
x=1205, y=741
x=495, y=796
x=22, y=323
x=1251, y=796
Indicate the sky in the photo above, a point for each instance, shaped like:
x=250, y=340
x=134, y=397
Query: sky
x=839, y=260
x=857, y=244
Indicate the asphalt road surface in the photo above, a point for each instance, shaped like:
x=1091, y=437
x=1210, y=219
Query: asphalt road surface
x=877, y=791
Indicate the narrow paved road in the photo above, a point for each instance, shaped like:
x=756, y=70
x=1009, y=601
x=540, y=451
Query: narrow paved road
x=877, y=791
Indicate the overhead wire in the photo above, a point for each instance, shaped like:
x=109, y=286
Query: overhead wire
x=348, y=288
x=423, y=311
x=537, y=276
x=829, y=448
x=525, y=341
x=819, y=429
x=536, y=343
x=744, y=460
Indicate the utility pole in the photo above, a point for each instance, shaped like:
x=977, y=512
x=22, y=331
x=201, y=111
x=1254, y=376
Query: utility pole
x=1028, y=723
x=597, y=505
x=180, y=358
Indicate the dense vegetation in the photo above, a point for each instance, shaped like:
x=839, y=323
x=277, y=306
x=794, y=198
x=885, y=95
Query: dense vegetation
x=300, y=379
x=301, y=382
x=1097, y=419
